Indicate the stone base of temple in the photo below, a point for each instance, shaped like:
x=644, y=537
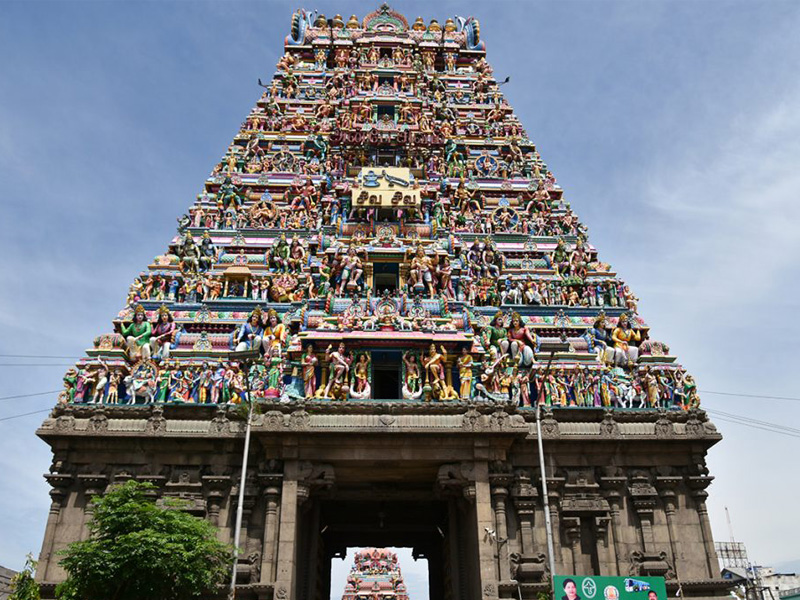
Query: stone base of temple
x=459, y=483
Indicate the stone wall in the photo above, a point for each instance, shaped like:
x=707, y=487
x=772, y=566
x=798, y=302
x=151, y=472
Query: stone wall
x=459, y=483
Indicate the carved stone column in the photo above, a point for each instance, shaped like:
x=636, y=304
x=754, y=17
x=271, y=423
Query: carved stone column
x=272, y=491
x=525, y=495
x=666, y=489
x=601, y=532
x=499, y=489
x=60, y=488
x=287, y=536
x=643, y=495
x=699, y=484
x=216, y=486
x=485, y=524
x=572, y=533
x=612, y=488
x=93, y=484
x=554, y=485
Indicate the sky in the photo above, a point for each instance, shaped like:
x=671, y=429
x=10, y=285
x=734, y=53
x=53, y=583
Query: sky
x=673, y=127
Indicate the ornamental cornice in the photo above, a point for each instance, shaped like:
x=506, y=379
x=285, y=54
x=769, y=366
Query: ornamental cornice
x=221, y=421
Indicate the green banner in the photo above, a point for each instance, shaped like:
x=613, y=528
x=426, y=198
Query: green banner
x=578, y=587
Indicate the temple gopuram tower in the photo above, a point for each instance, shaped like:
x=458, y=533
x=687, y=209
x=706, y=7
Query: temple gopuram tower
x=375, y=574
x=384, y=268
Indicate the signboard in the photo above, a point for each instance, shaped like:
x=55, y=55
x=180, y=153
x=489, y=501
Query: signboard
x=578, y=587
x=390, y=187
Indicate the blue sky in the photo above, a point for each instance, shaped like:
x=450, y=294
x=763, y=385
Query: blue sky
x=674, y=128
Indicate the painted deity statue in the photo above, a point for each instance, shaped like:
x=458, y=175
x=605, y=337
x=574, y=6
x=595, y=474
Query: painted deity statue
x=596, y=336
x=465, y=373
x=412, y=381
x=251, y=334
x=361, y=388
x=623, y=336
x=137, y=334
x=434, y=365
x=495, y=334
x=339, y=368
x=274, y=333
x=421, y=272
x=163, y=334
x=309, y=364
x=352, y=269
x=523, y=342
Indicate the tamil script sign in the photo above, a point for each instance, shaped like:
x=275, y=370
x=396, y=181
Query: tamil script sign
x=578, y=587
x=385, y=187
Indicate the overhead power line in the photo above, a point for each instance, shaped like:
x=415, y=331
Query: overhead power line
x=35, y=412
x=754, y=424
x=29, y=395
x=35, y=356
x=749, y=419
x=749, y=395
x=36, y=365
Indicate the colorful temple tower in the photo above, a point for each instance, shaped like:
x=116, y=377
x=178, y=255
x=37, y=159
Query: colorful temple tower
x=375, y=574
x=384, y=265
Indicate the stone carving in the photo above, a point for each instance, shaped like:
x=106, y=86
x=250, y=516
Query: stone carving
x=664, y=428
x=156, y=424
x=299, y=420
x=653, y=565
x=472, y=420
x=98, y=421
x=609, y=428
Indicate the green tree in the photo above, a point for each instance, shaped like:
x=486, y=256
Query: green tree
x=138, y=550
x=23, y=586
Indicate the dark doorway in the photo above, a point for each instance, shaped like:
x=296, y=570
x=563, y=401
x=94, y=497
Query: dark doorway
x=386, y=375
x=420, y=528
x=386, y=277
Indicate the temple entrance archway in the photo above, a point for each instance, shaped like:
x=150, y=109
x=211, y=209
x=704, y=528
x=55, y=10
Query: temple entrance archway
x=434, y=529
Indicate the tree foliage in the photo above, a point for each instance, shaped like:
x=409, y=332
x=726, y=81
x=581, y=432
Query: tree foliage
x=23, y=586
x=138, y=550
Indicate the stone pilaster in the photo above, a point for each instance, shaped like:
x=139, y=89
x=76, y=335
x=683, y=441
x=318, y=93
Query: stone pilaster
x=667, y=491
x=612, y=488
x=499, y=489
x=643, y=496
x=93, y=484
x=287, y=535
x=524, y=496
x=216, y=487
x=485, y=525
x=60, y=484
x=698, y=485
x=273, y=484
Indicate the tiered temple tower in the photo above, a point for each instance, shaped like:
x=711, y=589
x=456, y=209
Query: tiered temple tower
x=375, y=574
x=384, y=265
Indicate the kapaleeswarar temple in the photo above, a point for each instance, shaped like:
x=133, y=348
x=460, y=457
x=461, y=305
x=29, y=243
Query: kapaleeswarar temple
x=384, y=264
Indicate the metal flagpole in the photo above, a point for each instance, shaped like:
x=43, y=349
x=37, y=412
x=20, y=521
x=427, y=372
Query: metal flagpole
x=546, y=501
x=243, y=479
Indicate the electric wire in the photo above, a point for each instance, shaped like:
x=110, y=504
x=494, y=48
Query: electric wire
x=36, y=365
x=35, y=356
x=751, y=420
x=753, y=426
x=35, y=412
x=749, y=395
x=29, y=395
